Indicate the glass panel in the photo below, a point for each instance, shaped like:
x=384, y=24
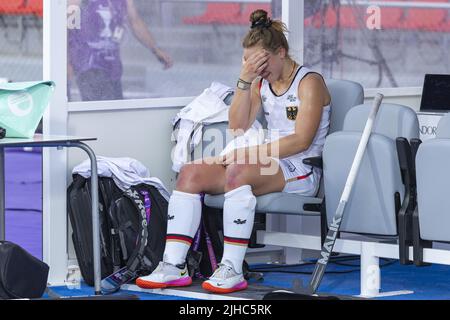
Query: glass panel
x=149, y=49
x=21, y=40
x=392, y=44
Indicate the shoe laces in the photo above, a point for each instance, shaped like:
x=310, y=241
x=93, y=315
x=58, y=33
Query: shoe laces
x=162, y=265
x=223, y=271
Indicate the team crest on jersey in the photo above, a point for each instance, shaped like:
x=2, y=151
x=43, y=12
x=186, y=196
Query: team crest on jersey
x=291, y=112
x=291, y=98
x=263, y=98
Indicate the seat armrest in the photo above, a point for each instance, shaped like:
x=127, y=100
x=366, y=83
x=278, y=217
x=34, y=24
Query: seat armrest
x=415, y=144
x=404, y=214
x=316, y=162
x=405, y=160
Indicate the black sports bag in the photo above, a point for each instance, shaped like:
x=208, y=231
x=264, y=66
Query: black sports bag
x=80, y=214
x=21, y=274
x=139, y=227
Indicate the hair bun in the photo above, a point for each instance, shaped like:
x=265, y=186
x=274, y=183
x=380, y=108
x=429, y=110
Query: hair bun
x=259, y=18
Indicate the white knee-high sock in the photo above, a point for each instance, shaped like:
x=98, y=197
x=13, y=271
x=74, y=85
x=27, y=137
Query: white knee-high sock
x=183, y=220
x=238, y=218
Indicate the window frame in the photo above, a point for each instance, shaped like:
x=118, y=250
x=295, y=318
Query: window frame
x=294, y=23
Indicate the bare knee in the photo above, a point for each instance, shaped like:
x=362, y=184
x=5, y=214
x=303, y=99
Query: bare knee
x=236, y=176
x=190, y=179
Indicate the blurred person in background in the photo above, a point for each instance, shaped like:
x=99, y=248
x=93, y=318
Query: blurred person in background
x=94, y=49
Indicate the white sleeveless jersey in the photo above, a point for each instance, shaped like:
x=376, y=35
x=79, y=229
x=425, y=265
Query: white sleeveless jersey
x=281, y=113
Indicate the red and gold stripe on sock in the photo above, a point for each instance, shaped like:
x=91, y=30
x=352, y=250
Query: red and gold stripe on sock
x=236, y=241
x=179, y=238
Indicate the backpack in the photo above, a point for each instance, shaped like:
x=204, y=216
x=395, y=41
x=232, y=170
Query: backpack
x=80, y=215
x=138, y=230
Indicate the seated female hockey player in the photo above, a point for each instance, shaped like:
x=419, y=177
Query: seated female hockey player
x=296, y=106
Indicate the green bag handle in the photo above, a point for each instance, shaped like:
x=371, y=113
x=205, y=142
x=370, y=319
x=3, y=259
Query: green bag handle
x=20, y=86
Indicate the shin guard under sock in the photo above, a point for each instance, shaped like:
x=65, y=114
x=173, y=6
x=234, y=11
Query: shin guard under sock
x=238, y=218
x=183, y=220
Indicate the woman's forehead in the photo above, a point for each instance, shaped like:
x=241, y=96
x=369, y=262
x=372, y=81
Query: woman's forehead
x=252, y=50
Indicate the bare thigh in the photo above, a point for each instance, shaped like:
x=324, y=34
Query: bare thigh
x=264, y=178
x=206, y=175
x=203, y=175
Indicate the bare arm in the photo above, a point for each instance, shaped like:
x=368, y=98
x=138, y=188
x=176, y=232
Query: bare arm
x=246, y=103
x=142, y=33
x=244, y=108
x=314, y=96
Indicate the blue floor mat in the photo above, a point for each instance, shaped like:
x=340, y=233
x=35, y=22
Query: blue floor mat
x=86, y=290
x=428, y=283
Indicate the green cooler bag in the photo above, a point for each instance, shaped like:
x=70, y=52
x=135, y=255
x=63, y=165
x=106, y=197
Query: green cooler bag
x=22, y=105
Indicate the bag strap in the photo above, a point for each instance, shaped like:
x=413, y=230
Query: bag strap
x=137, y=257
x=211, y=253
x=21, y=86
x=197, y=255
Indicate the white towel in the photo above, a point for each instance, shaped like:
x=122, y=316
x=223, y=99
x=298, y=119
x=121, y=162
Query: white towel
x=252, y=137
x=207, y=108
x=126, y=172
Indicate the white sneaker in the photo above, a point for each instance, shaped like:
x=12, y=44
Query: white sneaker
x=225, y=280
x=166, y=275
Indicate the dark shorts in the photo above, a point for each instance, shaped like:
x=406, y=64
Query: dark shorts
x=97, y=85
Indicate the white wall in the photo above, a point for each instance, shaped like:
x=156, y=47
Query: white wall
x=411, y=100
x=143, y=134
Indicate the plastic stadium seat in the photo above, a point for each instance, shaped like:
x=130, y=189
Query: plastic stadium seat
x=249, y=8
x=431, y=219
x=349, y=17
x=330, y=19
x=355, y=17
x=445, y=26
x=380, y=198
x=36, y=7
x=316, y=20
x=425, y=19
x=224, y=13
x=12, y=7
x=391, y=18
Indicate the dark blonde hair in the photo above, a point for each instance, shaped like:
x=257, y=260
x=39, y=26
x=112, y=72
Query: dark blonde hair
x=266, y=32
